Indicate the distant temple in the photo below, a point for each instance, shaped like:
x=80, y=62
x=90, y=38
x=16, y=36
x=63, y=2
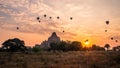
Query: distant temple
x=53, y=38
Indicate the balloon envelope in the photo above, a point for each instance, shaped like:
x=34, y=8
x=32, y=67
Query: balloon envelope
x=45, y=15
x=107, y=22
x=105, y=30
x=17, y=28
x=38, y=18
x=116, y=41
x=58, y=17
x=39, y=21
x=112, y=38
x=50, y=17
x=71, y=18
x=86, y=40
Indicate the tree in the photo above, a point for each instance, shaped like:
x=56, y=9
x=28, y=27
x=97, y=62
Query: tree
x=97, y=48
x=14, y=45
x=62, y=46
x=107, y=46
x=66, y=46
x=117, y=48
x=36, y=49
x=75, y=46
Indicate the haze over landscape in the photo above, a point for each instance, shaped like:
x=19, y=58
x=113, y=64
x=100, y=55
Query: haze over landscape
x=89, y=17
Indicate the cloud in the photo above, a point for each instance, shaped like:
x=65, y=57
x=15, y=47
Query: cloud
x=87, y=16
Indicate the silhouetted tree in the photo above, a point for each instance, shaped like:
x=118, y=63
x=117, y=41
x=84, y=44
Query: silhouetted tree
x=14, y=45
x=62, y=46
x=107, y=46
x=97, y=48
x=66, y=46
x=75, y=46
x=117, y=48
x=36, y=49
x=85, y=49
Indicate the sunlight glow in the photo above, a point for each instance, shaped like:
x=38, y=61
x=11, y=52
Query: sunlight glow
x=87, y=43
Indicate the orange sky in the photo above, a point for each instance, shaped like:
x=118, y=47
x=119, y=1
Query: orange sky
x=88, y=22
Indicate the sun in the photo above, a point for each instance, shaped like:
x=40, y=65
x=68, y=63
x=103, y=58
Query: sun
x=87, y=43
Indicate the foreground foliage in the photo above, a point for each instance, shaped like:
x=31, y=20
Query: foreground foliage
x=71, y=59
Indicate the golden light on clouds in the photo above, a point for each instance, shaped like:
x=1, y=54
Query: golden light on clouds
x=88, y=21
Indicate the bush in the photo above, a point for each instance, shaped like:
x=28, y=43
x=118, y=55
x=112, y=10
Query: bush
x=36, y=49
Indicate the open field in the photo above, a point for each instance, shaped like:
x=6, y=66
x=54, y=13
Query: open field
x=72, y=59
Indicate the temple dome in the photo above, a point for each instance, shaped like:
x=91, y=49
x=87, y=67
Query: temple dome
x=54, y=38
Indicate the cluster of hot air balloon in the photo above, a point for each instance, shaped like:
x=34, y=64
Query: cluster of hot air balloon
x=107, y=23
x=50, y=17
x=114, y=39
x=38, y=18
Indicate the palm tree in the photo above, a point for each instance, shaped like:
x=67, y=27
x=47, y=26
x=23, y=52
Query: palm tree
x=107, y=46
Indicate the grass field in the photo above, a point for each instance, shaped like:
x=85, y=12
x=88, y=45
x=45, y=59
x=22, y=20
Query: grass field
x=72, y=59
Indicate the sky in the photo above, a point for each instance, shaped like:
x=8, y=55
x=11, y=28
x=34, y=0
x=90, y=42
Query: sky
x=88, y=21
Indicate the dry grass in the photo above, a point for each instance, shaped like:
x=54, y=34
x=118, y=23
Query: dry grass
x=73, y=59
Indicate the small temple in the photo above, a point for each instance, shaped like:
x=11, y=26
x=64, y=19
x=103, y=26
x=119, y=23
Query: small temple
x=53, y=38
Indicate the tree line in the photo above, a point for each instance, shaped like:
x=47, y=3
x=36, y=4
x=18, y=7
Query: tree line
x=17, y=45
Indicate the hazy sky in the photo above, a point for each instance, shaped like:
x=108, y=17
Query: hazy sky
x=88, y=22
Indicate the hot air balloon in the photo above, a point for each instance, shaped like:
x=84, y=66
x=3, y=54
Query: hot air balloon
x=39, y=21
x=45, y=15
x=111, y=38
x=86, y=40
x=71, y=18
x=63, y=31
x=38, y=18
x=17, y=28
x=58, y=17
x=116, y=41
x=105, y=30
x=50, y=17
x=107, y=22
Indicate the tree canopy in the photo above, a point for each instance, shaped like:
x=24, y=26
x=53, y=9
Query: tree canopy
x=13, y=45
